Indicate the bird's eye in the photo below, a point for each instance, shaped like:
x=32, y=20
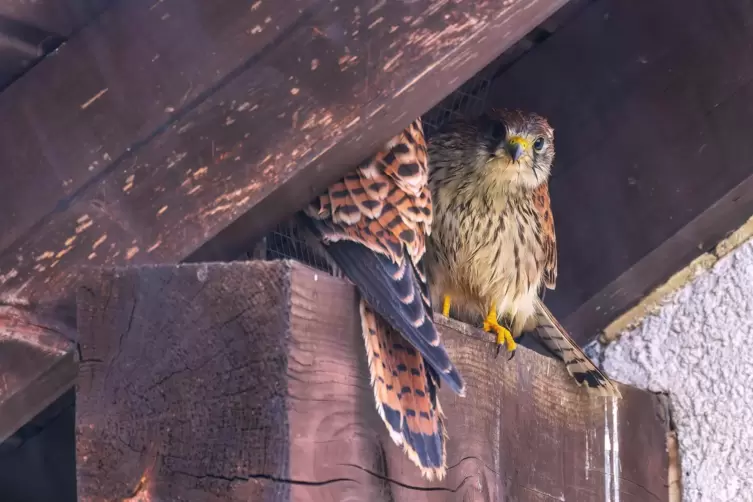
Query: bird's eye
x=539, y=144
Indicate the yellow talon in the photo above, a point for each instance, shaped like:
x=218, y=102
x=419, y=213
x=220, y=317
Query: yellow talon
x=446, y=306
x=503, y=334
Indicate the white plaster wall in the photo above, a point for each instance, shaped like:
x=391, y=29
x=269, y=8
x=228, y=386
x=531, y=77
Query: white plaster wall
x=699, y=348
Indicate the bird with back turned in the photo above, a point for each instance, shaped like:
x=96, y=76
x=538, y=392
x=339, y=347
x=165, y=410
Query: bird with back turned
x=371, y=226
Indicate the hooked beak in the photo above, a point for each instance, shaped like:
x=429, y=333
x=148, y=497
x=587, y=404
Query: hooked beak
x=516, y=147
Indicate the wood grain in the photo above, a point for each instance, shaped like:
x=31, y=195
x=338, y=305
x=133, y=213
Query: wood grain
x=652, y=166
x=111, y=87
x=247, y=381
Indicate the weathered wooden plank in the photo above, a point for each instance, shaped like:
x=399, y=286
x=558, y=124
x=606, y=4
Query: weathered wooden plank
x=248, y=381
x=653, y=165
x=111, y=87
x=36, y=366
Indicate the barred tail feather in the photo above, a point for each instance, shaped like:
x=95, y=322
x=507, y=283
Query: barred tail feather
x=394, y=292
x=578, y=364
x=405, y=392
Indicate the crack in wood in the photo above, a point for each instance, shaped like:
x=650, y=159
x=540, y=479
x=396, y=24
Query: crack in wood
x=406, y=485
x=249, y=477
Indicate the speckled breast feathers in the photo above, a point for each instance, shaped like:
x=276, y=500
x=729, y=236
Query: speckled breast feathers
x=493, y=241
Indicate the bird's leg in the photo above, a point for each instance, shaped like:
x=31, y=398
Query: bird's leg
x=503, y=334
x=446, y=306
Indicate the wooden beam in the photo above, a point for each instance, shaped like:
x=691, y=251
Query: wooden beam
x=161, y=123
x=112, y=87
x=653, y=163
x=36, y=366
x=248, y=381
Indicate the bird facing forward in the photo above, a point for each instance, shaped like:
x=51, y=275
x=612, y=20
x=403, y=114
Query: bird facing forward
x=493, y=245
x=372, y=227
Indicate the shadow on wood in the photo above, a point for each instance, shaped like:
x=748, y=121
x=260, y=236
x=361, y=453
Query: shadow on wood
x=248, y=381
x=38, y=463
x=36, y=366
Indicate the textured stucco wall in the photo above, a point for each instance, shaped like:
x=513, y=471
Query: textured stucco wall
x=698, y=346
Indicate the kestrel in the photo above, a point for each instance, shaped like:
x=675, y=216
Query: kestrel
x=493, y=246
x=372, y=226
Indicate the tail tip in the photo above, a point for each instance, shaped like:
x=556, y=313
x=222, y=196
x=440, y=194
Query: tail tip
x=595, y=382
x=429, y=468
x=434, y=473
x=455, y=380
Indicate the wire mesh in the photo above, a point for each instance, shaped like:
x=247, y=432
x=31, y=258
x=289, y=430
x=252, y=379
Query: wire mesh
x=286, y=242
x=469, y=100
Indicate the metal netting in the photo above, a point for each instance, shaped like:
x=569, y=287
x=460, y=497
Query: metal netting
x=468, y=100
x=285, y=242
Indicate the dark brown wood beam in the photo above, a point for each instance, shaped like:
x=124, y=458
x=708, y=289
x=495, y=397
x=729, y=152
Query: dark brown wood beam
x=238, y=382
x=161, y=123
x=651, y=109
x=112, y=87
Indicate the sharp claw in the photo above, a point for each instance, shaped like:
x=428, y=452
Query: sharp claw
x=506, y=338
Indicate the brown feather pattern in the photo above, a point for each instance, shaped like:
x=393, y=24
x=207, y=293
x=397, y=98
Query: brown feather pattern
x=542, y=204
x=405, y=394
x=383, y=205
x=578, y=364
x=374, y=224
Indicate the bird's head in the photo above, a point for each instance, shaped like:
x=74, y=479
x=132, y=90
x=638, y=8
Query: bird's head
x=520, y=148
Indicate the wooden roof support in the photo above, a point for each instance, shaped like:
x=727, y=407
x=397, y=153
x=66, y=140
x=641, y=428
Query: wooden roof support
x=161, y=123
x=248, y=381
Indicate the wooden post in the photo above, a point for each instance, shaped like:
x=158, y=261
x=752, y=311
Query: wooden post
x=247, y=381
